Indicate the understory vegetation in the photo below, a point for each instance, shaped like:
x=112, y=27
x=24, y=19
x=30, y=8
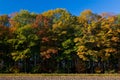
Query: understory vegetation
x=58, y=42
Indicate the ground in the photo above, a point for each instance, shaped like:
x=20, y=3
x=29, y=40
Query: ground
x=60, y=77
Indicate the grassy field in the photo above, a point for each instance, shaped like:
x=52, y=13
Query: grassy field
x=59, y=76
x=23, y=74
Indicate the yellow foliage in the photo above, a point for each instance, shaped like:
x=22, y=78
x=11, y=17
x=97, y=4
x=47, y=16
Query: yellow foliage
x=111, y=19
x=110, y=50
x=115, y=39
x=77, y=39
x=60, y=23
x=14, y=54
x=107, y=54
x=81, y=48
x=118, y=30
x=80, y=53
x=82, y=57
x=64, y=32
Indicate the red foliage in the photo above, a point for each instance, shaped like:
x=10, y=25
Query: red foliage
x=41, y=22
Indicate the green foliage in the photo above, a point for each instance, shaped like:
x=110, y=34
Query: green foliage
x=24, y=17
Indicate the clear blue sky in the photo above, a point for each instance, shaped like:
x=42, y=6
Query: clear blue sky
x=73, y=6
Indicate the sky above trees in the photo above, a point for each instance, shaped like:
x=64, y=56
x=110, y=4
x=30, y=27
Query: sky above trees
x=73, y=6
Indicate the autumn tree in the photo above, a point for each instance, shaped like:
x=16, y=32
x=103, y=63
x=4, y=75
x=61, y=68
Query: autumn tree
x=98, y=40
x=4, y=47
x=63, y=34
x=58, y=42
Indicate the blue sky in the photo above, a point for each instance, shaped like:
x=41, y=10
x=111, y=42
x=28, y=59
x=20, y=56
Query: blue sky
x=73, y=6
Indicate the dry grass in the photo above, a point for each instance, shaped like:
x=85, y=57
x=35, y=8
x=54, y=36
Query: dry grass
x=59, y=76
x=23, y=74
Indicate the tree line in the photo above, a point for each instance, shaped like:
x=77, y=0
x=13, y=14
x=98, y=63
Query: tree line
x=58, y=42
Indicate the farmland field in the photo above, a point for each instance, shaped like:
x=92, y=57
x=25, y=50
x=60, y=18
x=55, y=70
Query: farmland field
x=59, y=77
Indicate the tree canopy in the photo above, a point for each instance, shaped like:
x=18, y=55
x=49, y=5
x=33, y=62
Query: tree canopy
x=58, y=42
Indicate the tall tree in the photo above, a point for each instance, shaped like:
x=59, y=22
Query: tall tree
x=96, y=43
